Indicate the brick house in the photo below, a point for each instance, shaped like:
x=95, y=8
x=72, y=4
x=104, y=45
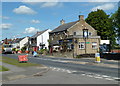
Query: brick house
x=70, y=38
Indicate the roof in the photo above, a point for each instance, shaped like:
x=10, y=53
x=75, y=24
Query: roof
x=17, y=40
x=63, y=27
x=38, y=33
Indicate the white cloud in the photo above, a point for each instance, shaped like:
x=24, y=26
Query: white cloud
x=24, y=10
x=4, y=17
x=30, y=30
x=5, y=26
x=16, y=36
x=103, y=0
x=50, y=4
x=104, y=7
x=43, y=3
x=31, y=2
x=35, y=21
x=36, y=1
x=100, y=0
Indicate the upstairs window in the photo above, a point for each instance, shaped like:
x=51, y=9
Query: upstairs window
x=90, y=33
x=74, y=33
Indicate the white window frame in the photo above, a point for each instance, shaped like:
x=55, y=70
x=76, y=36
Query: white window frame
x=80, y=45
x=94, y=45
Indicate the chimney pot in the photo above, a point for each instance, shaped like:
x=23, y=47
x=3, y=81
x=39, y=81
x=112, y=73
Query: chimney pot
x=81, y=17
x=62, y=22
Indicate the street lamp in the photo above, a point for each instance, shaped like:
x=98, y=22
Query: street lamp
x=85, y=36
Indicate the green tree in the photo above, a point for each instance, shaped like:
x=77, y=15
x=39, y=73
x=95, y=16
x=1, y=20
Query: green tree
x=103, y=24
x=118, y=23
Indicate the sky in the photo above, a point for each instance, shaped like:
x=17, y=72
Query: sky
x=20, y=19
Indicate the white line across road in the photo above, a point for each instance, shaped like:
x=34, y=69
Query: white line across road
x=97, y=76
x=92, y=75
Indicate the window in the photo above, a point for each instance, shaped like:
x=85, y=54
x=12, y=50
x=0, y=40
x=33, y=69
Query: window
x=94, y=45
x=52, y=38
x=90, y=33
x=74, y=33
x=82, y=45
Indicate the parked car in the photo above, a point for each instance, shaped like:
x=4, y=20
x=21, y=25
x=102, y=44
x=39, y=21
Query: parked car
x=7, y=48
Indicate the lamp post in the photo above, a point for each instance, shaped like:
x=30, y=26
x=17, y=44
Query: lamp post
x=85, y=36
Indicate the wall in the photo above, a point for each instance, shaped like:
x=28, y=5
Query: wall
x=43, y=38
x=89, y=49
x=15, y=45
x=57, y=36
x=78, y=28
x=23, y=41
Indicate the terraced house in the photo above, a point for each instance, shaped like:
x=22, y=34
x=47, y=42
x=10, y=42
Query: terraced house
x=74, y=38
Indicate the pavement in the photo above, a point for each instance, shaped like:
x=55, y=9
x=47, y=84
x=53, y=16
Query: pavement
x=59, y=77
x=17, y=73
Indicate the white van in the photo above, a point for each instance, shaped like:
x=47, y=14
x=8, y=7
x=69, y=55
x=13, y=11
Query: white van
x=7, y=48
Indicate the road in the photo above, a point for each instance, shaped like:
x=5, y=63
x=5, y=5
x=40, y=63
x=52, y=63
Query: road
x=75, y=68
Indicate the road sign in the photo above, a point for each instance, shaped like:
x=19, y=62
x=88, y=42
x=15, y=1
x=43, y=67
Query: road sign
x=87, y=42
x=22, y=58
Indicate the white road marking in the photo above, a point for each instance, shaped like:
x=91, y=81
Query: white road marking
x=74, y=71
x=105, y=76
x=58, y=69
x=90, y=76
x=109, y=79
x=63, y=70
x=68, y=71
x=98, y=77
x=71, y=71
x=83, y=74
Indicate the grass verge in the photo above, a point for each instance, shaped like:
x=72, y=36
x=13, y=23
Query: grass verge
x=2, y=68
x=16, y=62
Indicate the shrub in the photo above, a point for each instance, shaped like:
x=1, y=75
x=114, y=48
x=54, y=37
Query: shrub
x=13, y=49
x=78, y=56
x=23, y=49
x=42, y=51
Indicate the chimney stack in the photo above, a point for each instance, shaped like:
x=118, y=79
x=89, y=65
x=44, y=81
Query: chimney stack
x=62, y=22
x=81, y=17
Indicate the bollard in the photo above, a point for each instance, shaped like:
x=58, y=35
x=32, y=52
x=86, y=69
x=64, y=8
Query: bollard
x=97, y=57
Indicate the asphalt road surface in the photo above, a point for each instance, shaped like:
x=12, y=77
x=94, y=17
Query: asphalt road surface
x=69, y=68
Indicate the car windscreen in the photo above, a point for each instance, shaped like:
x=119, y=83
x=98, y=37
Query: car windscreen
x=7, y=46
